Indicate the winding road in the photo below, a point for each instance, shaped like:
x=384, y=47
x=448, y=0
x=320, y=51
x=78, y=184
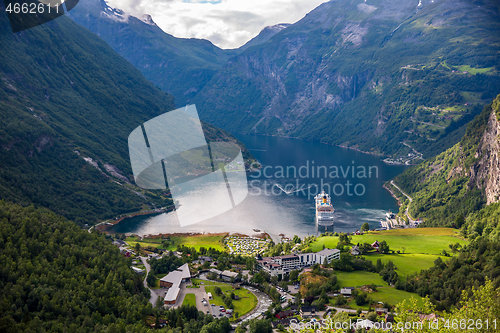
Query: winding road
x=154, y=295
x=412, y=221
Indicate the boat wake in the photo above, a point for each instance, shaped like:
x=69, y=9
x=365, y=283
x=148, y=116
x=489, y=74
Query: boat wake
x=293, y=189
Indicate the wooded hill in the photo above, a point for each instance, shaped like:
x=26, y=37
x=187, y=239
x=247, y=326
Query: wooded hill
x=460, y=186
x=65, y=95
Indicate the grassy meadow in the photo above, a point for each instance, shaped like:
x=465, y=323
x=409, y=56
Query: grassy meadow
x=419, y=248
x=245, y=304
x=359, y=279
x=196, y=241
x=384, y=293
x=189, y=299
x=406, y=264
x=430, y=241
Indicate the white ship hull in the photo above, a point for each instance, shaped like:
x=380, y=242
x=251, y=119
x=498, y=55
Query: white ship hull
x=324, y=210
x=324, y=222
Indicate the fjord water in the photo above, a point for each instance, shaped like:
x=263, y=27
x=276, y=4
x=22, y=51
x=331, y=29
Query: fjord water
x=281, y=192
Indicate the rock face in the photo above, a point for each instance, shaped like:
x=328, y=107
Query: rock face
x=485, y=174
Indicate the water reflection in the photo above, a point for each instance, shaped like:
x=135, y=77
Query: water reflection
x=283, y=203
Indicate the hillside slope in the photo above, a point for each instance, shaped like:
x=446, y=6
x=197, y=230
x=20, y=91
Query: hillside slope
x=264, y=35
x=56, y=277
x=179, y=66
x=462, y=182
x=68, y=103
x=384, y=76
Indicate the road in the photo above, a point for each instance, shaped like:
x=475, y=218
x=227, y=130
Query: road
x=263, y=303
x=412, y=221
x=154, y=293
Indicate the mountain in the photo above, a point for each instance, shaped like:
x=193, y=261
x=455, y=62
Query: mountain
x=461, y=186
x=178, y=66
x=68, y=103
x=264, y=35
x=382, y=76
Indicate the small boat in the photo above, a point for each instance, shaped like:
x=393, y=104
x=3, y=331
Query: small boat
x=256, y=230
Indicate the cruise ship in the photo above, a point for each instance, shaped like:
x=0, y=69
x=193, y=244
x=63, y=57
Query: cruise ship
x=324, y=210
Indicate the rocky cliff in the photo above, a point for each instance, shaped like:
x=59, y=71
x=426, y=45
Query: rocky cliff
x=462, y=181
x=485, y=173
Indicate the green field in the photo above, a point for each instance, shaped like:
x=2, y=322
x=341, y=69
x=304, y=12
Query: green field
x=394, y=296
x=207, y=283
x=406, y=264
x=416, y=241
x=359, y=279
x=472, y=70
x=389, y=295
x=189, y=299
x=384, y=292
x=245, y=304
x=421, y=246
x=195, y=241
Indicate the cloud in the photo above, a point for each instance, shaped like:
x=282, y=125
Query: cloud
x=226, y=23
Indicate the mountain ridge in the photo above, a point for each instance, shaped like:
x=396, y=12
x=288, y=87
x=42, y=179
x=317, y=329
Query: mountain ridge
x=364, y=76
x=264, y=35
x=68, y=103
x=179, y=66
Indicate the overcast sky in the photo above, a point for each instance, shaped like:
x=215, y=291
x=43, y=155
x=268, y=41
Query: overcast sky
x=226, y=23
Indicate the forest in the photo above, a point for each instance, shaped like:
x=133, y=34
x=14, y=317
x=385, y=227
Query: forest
x=56, y=277
x=445, y=281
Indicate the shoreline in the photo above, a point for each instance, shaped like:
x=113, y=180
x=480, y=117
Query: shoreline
x=105, y=225
x=262, y=235
x=392, y=194
x=322, y=142
x=102, y=226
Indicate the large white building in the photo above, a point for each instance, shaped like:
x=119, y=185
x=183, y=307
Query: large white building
x=172, y=281
x=280, y=265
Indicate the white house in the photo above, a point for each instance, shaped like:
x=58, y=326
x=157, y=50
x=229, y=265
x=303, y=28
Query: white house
x=346, y=291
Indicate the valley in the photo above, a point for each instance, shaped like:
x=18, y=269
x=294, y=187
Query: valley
x=387, y=106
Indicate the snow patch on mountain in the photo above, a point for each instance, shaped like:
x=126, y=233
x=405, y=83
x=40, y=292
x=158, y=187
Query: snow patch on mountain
x=119, y=15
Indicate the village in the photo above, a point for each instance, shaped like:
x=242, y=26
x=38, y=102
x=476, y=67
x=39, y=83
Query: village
x=300, y=286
